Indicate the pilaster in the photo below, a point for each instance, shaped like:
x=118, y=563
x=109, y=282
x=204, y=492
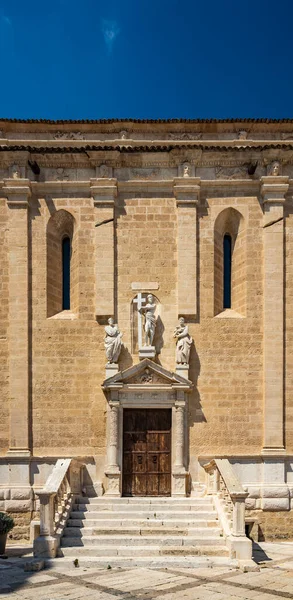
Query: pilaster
x=104, y=192
x=17, y=192
x=179, y=472
x=273, y=190
x=113, y=472
x=186, y=191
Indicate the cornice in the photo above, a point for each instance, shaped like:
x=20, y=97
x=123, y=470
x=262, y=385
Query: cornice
x=103, y=191
x=17, y=192
x=76, y=147
x=68, y=187
x=274, y=188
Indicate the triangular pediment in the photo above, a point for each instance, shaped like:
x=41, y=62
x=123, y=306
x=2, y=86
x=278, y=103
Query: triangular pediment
x=147, y=374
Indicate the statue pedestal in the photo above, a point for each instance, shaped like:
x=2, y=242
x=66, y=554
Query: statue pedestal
x=111, y=369
x=147, y=352
x=182, y=370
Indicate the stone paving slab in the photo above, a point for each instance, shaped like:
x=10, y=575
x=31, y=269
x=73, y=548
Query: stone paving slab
x=65, y=582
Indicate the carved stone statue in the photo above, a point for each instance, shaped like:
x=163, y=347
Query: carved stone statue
x=242, y=134
x=113, y=341
x=186, y=170
x=150, y=320
x=183, y=342
x=274, y=169
x=15, y=170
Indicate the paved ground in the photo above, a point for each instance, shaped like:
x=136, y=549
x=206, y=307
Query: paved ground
x=65, y=582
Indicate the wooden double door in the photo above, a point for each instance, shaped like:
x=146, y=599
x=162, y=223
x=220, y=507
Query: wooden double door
x=147, y=452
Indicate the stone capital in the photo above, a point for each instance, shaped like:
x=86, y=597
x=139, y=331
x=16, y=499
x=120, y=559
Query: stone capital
x=17, y=192
x=274, y=188
x=187, y=190
x=103, y=191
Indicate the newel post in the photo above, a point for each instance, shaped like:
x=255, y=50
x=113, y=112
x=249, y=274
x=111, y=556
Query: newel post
x=238, y=527
x=46, y=544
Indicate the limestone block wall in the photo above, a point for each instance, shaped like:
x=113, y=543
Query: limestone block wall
x=67, y=349
x=226, y=405
x=4, y=328
x=138, y=224
x=288, y=334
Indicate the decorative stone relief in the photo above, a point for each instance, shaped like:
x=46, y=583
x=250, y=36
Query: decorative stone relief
x=123, y=135
x=113, y=341
x=61, y=174
x=274, y=169
x=144, y=173
x=15, y=171
x=192, y=157
x=105, y=172
x=183, y=342
x=186, y=169
x=69, y=135
x=147, y=377
x=113, y=484
x=231, y=173
x=287, y=136
x=242, y=134
x=185, y=136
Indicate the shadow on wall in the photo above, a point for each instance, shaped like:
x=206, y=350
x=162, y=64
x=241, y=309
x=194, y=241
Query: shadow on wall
x=159, y=333
x=125, y=358
x=196, y=414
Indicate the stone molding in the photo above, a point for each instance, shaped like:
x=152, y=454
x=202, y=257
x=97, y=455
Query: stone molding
x=103, y=191
x=17, y=192
x=274, y=188
x=128, y=389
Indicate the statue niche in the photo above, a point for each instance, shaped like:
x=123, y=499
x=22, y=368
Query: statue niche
x=146, y=325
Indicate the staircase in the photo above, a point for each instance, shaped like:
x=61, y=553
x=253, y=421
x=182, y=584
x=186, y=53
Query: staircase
x=145, y=532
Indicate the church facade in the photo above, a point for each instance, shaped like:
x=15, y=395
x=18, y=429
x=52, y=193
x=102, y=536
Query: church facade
x=146, y=325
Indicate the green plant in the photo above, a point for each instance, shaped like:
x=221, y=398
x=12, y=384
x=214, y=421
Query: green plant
x=6, y=523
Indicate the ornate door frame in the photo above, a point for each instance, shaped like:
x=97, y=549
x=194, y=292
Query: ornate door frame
x=147, y=385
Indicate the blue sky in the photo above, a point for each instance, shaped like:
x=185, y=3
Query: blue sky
x=146, y=59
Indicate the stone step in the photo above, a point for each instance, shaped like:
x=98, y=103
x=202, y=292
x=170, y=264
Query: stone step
x=138, y=531
x=88, y=560
x=141, y=540
x=126, y=522
x=139, y=507
x=113, y=538
x=93, y=514
x=142, y=551
x=144, y=500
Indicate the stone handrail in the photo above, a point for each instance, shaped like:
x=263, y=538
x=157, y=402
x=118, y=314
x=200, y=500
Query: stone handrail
x=229, y=498
x=56, y=499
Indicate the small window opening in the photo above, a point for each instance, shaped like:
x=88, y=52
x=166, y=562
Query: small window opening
x=66, y=252
x=227, y=260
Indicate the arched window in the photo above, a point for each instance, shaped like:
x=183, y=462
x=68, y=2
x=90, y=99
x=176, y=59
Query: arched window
x=230, y=262
x=66, y=255
x=227, y=270
x=62, y=264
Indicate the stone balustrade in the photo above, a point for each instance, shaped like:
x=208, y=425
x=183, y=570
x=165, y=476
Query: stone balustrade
x=229, y=499
x=56, y=499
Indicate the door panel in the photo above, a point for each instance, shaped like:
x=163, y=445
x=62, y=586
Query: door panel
x=147, y=452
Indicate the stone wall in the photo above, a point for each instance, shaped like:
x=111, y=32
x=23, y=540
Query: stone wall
x=137, y=223
x=4, y=324
x=270, y=526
